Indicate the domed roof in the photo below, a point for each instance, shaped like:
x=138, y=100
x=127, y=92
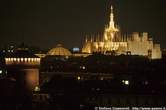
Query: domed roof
x=59, y=50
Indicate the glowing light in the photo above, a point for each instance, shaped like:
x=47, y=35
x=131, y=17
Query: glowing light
x=6, y=59
x=78, y=78
x=32, y=59
x=18, y=59
x=101, y=78
x=38, y=59
x=83, y=67
x=11, y=59
x=126, y=82
x=37, y=89
x=0, y=71
x=25, y=59
x=29, y=59
x=15, y=59
x=22, y=59
x=76, y=49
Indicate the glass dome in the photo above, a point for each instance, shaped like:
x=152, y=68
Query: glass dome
x=59, y=50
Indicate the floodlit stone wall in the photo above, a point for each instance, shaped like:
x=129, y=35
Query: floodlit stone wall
x=141, y=45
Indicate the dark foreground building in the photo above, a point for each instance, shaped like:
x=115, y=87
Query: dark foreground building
x=86, y=83
x=104, y=81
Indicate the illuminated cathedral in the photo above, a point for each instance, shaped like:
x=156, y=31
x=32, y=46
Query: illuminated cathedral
x=113, y=42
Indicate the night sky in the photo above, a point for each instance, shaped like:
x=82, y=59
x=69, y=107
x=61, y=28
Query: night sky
x=45, y=23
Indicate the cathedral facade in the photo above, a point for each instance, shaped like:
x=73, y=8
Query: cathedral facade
x=113, y=42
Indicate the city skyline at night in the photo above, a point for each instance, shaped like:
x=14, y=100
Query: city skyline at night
x=47, y=23
x=82, y=55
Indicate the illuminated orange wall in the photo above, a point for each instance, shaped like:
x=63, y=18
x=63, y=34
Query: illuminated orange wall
x=31, y=78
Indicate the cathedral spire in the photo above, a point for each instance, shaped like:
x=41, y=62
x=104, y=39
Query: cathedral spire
x=111, y=23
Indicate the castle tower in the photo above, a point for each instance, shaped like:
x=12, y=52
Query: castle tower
x=23, y=66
